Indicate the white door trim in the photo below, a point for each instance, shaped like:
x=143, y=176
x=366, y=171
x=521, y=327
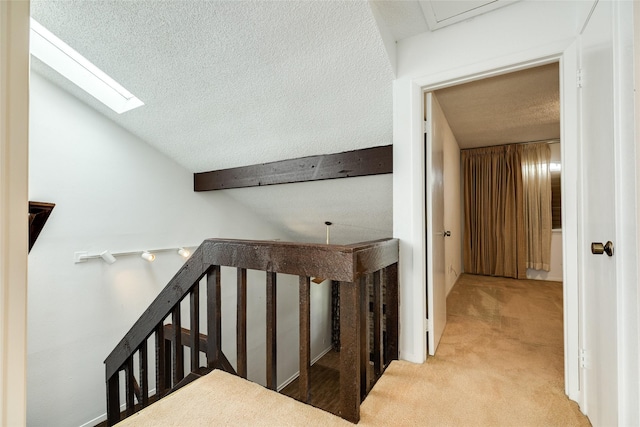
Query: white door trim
x=14, y=120
x=409, y=95
x=626, y=176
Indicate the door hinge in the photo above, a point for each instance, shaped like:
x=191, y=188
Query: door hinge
x=425, y=127
x=585, y=358
x=426, y=325
x=579, y=77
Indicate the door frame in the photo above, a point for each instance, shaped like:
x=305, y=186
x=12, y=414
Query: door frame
x=14, y=205
x=566, y=54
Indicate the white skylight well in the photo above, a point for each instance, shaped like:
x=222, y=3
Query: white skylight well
x=65, y=60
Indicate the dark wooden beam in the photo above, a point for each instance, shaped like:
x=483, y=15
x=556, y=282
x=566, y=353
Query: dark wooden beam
x=367, y=161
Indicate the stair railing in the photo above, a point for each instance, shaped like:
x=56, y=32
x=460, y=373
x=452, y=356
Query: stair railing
x=355, y=268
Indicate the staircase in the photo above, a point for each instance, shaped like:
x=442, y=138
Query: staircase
x=368, y=320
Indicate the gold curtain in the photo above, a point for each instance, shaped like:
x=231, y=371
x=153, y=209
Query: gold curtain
x=494, y=235
x=536, y=182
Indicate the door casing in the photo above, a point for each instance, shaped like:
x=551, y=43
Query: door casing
x=566, y=55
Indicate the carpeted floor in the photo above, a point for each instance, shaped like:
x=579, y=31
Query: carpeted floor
x=500, y=363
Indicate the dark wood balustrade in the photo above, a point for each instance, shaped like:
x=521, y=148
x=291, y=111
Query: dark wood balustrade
x=352, y=267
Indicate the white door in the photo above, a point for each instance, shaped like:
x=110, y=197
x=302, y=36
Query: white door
x=436, y=293
x=599, y=292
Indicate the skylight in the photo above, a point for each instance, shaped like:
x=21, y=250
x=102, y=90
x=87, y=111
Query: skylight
x=65, y=60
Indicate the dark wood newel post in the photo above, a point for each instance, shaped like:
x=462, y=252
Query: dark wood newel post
x=350, y=350
x=305, y=338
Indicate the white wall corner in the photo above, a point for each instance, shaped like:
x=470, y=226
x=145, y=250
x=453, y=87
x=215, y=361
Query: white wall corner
x=408, y=215
x=387, y=38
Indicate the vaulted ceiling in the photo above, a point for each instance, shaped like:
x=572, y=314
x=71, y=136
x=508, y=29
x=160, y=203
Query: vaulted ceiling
x=233, y=83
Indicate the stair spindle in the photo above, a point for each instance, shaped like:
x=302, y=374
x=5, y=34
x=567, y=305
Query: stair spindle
x=378, y=342
x=195, y=328
x=241, y=325
x=178, y=350
x=214, y=317
x=271, y=332
x=144, y=374
x=129, y=386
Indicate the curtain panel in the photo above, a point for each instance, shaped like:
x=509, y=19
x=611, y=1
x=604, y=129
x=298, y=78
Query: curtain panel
x=494, y=234
x=507, y=208
x=536, y=182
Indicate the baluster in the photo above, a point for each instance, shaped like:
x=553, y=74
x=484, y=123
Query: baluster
x=378, y=342
x=195, y=328
x=349, y=350
x=144, y=378
x=161, y=380
x=168, y=357
x=271, y=332
x=178, y=351
x=305, y=338
x=214, y=316
x=241, y=325
x=129, y=386
x=364, y=335
x=390, y=278
x=113, y=399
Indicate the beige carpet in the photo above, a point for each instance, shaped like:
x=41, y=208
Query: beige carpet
x=499, y=363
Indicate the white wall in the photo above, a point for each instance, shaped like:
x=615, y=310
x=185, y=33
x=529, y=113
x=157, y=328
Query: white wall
x=113, y=191
x=555, y=266
x=517, y=34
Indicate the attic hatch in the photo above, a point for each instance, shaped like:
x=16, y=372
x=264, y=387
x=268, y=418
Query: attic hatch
x=38, y=215
x=439, y=13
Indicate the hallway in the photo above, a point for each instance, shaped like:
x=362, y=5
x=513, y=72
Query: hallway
x=500, y=363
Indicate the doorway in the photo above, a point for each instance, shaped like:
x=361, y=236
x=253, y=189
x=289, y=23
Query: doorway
x=569, y=261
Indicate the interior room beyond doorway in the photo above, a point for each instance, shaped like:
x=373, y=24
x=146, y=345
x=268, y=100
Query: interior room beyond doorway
x=517, y=107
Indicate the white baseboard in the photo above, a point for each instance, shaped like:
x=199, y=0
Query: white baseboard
x=297, y=374
x=103, y=417
x=95, y=421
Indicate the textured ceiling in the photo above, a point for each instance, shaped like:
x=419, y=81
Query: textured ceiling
x=515, y=107
x=231, y=83
x=402, y=18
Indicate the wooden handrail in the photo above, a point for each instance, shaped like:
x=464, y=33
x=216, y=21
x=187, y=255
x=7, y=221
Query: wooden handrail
x=349, y=265
x=188, y=276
